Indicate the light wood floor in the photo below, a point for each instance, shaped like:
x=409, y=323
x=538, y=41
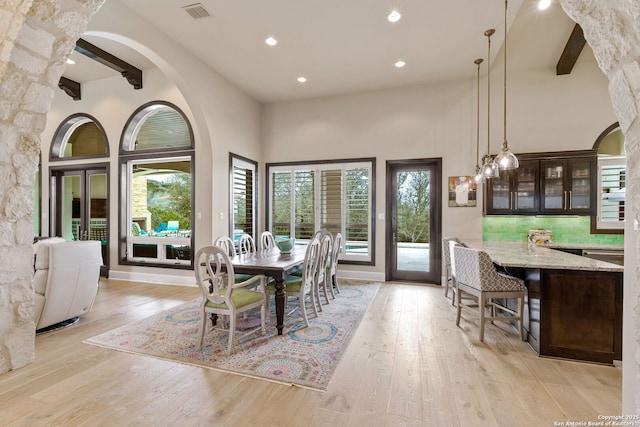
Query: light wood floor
x=407, y=365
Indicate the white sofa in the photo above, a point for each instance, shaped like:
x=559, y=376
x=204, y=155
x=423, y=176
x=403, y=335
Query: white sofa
x=66, y=280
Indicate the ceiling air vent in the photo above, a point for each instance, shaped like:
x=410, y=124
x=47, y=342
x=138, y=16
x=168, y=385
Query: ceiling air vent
x=196, y=10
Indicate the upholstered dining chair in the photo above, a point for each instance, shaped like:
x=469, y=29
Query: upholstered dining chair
x=322, y=272
x=223, y=295
x=267, y=241
x=246, y=244
x=475, y=274
x=336, y=250
x=301, y=286
x=227, y=244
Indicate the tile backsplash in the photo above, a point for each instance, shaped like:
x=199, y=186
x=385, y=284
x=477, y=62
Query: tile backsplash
x=565, y=229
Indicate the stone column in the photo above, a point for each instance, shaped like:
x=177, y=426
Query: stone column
x=612, y=29
x=37, y=38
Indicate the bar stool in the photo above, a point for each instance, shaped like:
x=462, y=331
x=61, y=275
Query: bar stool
x=475, y=274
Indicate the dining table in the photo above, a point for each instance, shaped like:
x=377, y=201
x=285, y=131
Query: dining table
x=274, y=264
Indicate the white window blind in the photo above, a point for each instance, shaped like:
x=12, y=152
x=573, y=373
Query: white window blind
x=243, y=195
x=281, y=203
x=611, y=192
x=333, y=196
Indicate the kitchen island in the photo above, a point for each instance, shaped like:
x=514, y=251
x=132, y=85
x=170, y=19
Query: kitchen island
x=573, y=304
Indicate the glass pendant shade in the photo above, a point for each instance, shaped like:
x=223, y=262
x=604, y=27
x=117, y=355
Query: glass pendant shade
x=479, y=178
x=506, y=160
x=489, y=168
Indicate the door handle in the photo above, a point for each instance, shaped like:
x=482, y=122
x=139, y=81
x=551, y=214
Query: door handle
x=570, y=199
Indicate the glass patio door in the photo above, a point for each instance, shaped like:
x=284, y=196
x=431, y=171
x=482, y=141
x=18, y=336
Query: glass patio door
x=80, y=206
x=413, y=228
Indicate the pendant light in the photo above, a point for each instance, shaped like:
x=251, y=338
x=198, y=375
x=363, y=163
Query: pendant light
x=506, y=159
x=478, y=176
x=489, y=168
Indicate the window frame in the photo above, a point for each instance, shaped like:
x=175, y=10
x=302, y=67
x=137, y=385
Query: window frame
x=597, y=225
x=318, y=167
x=127, y=158
x=236, y=160
x=66, y=129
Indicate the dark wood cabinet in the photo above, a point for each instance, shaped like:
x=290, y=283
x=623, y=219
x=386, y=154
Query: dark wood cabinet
x=515, y=191
x=581, y=315
x=567, y=185
x=560, y=183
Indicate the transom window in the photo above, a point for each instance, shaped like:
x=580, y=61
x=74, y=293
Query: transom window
x=79, y=136
x=157, y=172
x=337, y=196
x=157, y=126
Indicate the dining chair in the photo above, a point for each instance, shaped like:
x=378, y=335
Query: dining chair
x=223, y=295
x=227, y=244
x=267, y=241
x=322, y=272
x=336, y=250
x=476, y=275
x=246, y=244
x=301, y=286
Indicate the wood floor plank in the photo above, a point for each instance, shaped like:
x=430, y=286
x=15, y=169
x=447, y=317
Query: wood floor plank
x=407, y=364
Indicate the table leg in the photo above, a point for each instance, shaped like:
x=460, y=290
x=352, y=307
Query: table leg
x=280, y=298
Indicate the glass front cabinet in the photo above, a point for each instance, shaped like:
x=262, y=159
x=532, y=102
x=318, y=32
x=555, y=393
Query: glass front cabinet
x=545, y=184
x=567, y=186
x=515, y=191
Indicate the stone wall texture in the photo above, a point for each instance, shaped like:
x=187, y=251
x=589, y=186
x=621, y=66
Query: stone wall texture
x=612, y=29
x=36, y=39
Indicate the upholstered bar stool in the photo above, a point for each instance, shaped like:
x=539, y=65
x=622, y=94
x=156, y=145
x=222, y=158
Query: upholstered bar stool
x=476, y=275
x=448, y=276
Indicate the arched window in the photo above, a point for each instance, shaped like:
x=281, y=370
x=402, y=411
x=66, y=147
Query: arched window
x=79, y=136
x=157, y=181
x=157, y=126
x=611, y=181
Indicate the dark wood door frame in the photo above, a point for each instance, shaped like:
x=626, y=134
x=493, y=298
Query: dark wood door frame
x=435, y=233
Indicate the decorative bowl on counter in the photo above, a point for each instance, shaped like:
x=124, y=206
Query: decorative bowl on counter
x=285, y=245
x=540, y=237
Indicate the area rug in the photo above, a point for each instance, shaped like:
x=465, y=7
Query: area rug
x=301, y=356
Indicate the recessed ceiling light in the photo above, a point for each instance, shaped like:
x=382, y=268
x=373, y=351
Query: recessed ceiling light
x=400, y=64
x=271, y=41
x=543, y=4
x=302, y=79
x=70, y=61
x=394, y=16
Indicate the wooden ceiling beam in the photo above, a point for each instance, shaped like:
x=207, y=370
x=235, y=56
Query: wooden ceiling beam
x=571, y=51
x=70, y=87
x=128, y=71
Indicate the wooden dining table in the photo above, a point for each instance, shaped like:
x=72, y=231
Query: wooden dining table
x=273, y=264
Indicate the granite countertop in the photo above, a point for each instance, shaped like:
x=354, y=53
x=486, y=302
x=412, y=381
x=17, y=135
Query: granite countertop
x=587, y=246
x=522, y=254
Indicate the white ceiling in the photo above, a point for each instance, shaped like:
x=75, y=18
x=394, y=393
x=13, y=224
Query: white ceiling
x=343, y=46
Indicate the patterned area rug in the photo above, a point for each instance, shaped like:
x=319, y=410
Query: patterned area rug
x=301, y=356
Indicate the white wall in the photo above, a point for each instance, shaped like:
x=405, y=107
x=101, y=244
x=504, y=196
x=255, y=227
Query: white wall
x=224, y=120
x=546, y=113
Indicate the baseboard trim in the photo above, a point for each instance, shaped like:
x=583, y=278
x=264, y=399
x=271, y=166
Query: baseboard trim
x=160, y=279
